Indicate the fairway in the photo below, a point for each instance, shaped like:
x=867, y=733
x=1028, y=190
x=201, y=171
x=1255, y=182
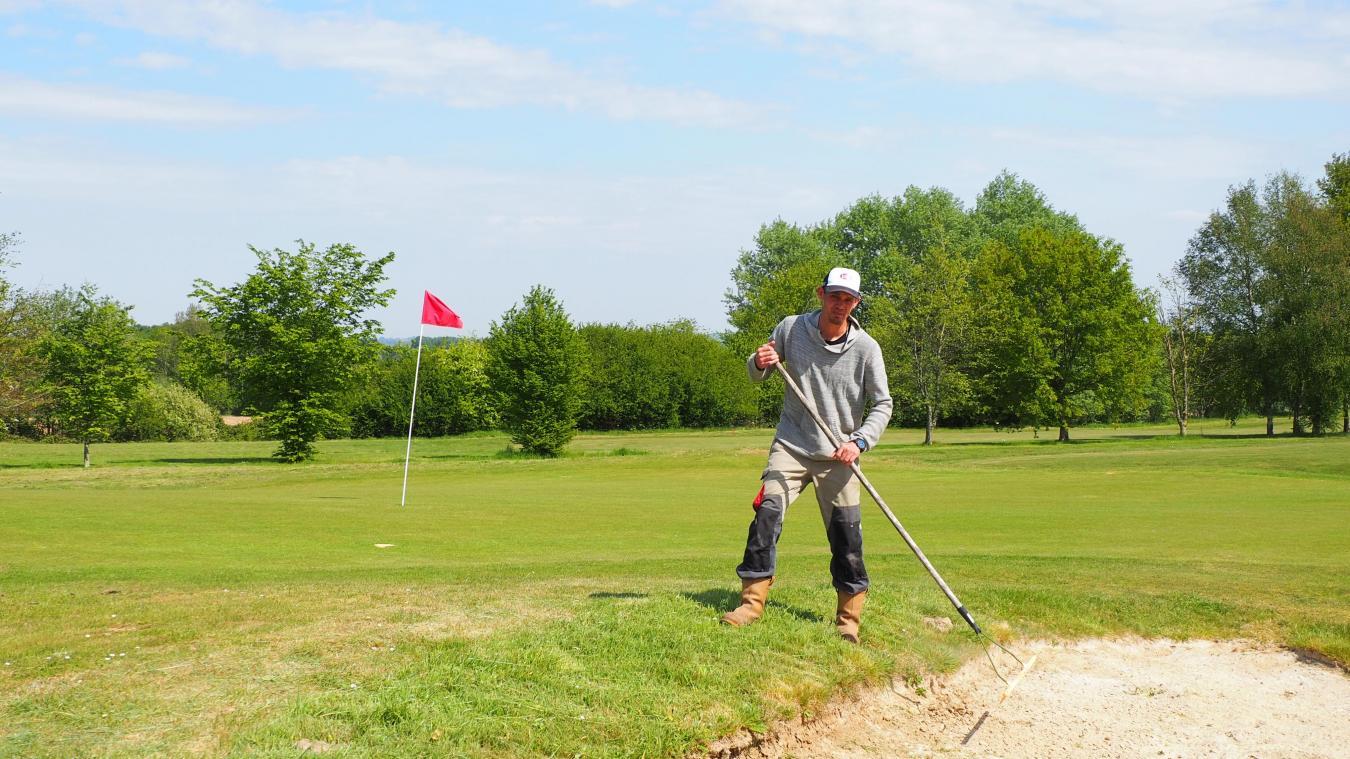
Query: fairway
x=183, y=599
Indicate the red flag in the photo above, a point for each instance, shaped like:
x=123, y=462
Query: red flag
x=437, y=313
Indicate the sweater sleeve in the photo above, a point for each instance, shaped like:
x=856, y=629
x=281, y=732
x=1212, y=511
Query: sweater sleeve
x=778, y=336
x=878, y=393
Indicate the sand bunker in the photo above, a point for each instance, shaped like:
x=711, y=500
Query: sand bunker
x=1096, y=698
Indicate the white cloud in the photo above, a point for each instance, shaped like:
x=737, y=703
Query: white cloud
x=1209, y=48
x=155, y=61
x=457, y=68
x=32, y=98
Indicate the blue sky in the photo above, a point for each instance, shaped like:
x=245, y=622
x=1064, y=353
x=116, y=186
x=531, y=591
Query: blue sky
x=622, y=153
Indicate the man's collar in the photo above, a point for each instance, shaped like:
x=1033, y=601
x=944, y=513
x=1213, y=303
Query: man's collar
x=813, y=319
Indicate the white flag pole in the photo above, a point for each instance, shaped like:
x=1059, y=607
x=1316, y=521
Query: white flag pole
x=407, y=456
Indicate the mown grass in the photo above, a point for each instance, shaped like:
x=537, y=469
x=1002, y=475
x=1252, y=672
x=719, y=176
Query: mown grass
x=199, y=599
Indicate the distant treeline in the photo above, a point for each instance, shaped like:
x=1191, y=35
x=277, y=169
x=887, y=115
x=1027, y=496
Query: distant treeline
x=1008, y=313
x=667, y=375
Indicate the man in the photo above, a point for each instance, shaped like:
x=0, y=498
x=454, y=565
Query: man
x=839, y=368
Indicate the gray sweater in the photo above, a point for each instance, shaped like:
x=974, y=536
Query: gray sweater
x=840, y=380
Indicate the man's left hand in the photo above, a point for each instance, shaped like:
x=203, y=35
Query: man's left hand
x=847, y=453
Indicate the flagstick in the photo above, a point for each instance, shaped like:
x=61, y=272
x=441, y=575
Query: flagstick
x=411, y=413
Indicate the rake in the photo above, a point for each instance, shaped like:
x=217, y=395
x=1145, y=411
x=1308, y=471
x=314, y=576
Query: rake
x=918, y=552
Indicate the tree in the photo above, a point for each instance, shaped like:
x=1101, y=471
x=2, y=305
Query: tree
x=923, y=318
x=1310, y=264
x=20, y=370
x=869, y=237
x=1269, y=274
x=204, y=367
x=536, y=363
x=295, y=337
x=925, y=332
x=1226, y=269
x=779, y=277
x=778, y=246
x=168, y=341
x=1065, y=334
x=95, y=367
x=30, y=317
x=1305, y=246
x=1008, y=204
x=1176, y=317
x=1335, y=187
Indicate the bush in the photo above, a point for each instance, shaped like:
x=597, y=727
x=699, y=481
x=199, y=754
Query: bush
x=666, y=375
x=627, y=381
x=453, y=393
x=250, y=431
x=169, y=412
x=535, y=364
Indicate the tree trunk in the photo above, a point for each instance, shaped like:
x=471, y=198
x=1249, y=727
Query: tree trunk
x=1181, y=425
x=1345, y=417
x=1063, y=434
x=86, y=454
x=929, y=425
x=1270, y=422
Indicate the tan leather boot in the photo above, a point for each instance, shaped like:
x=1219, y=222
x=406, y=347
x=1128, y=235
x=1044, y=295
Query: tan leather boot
x=753, y=593
x=848, y=615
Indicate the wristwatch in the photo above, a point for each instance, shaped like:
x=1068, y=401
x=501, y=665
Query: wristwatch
x=862, y=445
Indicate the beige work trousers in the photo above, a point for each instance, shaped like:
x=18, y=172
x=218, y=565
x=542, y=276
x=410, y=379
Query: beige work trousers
x=837, y=494
x=786, y=475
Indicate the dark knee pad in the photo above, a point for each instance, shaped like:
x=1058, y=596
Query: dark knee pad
x=761, y=545
x=846, y=553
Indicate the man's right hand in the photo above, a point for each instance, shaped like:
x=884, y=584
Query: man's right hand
x=765, y=356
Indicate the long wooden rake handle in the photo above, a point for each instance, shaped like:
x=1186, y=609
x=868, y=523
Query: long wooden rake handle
x=834, y=440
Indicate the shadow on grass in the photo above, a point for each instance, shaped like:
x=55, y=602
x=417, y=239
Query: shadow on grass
x=210, y=460
x=1259, y=435
x=1051, y=441
x=453, y=457
x=1309, y=656
x=723, y=600
x=141, y=462
x=618, y=595
x=514, y=452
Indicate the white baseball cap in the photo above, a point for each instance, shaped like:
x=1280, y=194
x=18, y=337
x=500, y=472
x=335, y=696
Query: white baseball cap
x=846, y=280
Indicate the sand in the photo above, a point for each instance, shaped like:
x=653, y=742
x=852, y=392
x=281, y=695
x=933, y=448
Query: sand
x=1093, y=698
